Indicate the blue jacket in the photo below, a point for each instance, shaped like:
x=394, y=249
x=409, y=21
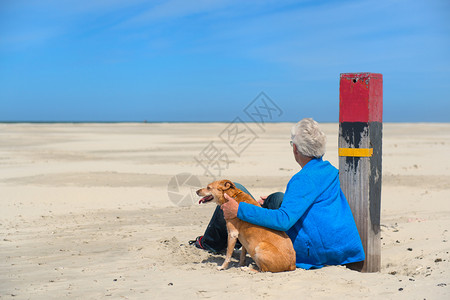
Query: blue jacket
x=316, y=216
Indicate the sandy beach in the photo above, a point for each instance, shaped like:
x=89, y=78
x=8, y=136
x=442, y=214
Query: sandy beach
x=105, y=211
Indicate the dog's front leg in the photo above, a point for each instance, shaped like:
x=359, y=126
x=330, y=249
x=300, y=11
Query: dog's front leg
x=232, y=238
x=242, y=257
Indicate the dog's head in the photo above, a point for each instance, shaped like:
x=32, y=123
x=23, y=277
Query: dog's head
x=214, y=192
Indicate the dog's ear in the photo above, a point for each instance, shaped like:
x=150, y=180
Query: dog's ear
x=227, y=185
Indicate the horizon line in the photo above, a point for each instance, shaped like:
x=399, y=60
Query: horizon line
x=179, y=122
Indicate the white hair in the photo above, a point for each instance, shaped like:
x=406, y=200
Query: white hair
x=308, y=138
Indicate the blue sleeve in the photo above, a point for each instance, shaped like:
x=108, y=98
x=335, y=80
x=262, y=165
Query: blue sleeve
x=300, y=195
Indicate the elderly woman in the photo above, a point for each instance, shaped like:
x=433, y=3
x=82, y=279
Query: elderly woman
x=313, y=211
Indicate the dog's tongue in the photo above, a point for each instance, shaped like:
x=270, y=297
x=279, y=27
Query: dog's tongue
x=205, y=199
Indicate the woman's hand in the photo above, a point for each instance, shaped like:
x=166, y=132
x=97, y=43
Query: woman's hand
x=262, y=199
x=230, y=208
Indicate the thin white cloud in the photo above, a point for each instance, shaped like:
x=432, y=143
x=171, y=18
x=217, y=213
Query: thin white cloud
x=26, y=38
x=35, y=22
x=298, y=36
x=71, y=7
x=176, y=9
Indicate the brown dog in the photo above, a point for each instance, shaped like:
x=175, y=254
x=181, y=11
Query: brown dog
x=272, y=250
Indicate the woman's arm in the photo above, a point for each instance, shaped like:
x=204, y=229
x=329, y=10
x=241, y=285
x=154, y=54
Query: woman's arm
x=300, y=195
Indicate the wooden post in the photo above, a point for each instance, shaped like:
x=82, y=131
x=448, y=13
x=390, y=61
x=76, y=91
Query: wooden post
x=360, y=145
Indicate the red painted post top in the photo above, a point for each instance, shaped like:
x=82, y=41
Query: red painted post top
x=361, y=97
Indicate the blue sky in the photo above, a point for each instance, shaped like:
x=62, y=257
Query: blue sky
x=134, y=60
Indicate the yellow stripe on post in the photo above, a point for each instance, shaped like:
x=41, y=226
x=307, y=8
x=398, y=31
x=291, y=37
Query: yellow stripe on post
x=356, y=152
